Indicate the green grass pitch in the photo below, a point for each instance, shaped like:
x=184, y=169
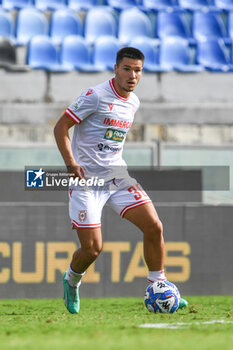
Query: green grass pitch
x=113, y=324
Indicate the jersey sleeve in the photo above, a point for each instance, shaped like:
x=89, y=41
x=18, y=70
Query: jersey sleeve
x=83, y=106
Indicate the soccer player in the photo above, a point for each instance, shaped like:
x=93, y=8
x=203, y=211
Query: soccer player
x=102, y=116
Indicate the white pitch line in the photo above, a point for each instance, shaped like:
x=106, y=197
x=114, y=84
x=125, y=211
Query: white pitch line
x=181, y=324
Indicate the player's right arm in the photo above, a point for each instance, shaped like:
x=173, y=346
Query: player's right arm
x=61, y=133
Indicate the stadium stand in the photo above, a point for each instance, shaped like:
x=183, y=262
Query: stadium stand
x=30, y=22
x=212, y=54
x=173, y=24
x=133, y=23
x=6, y=25
x=159, y=5
x=122, y=5
x=175, y=55
x=230, y=25
x=16, y=4
x=82, y=5
x=63, y=23
x=196, y=4
x=99, y=21
x=150, y=49
x=8, y=59
x=42, y=54
x=105, y=50
x=75, y=55
x=49, y=5
x=226, y=5
x=209, y=24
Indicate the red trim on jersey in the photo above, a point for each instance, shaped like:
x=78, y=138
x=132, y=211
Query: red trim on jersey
x=134, y=205
x=75, y=223
x=73, y=116
x=116, y=93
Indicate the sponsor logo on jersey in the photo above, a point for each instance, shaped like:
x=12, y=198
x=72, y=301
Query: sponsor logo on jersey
x=77, y=104
x=103, y=147
x=118, y=123
x=89, y=92
x=110, y=107
x=82, y=215
x=35, y=178
x=115, y=135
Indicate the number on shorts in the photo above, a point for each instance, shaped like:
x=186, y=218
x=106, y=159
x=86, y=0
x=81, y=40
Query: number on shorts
x=139, y=193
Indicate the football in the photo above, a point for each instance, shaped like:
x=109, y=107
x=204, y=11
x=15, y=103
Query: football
x=162, y=296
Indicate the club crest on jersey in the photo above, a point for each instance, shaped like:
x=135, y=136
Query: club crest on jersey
x=89, y=92
x=82, y=215
x=110, y=107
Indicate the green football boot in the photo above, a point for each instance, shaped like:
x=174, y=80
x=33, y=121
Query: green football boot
x=71, y=297
x=183, y=303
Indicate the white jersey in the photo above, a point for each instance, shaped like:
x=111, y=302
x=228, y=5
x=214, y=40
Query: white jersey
x=103, y=119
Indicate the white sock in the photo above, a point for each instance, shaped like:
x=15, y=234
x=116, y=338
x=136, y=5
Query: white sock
x=154, y=276
x=73, y=278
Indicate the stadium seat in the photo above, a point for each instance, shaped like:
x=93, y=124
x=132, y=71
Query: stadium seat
x=175, y=55
x=50, y=5
x=16, y=4
x=209, y=24
x=212, y=54
x=64, y=22
x=230, y=24
x=172, y=24
x=122, y=5
x=75, y=55
x=99, y=21
x=226, y=5
x=133, y=23
x=159, y=4
x=104, y=53
x=7, y=52
x=8, y=57
x=42, y=54
x=196, y=4
x=150, y=49
x=30, y=22
x=82, y=5
x=6, y=25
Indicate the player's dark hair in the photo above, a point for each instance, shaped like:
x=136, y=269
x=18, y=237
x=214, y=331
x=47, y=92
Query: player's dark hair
x=129, y=52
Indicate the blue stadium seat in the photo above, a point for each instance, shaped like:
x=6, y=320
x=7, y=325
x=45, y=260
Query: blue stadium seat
x=230, y=24
x=150, y=49
x=30, y=22
x=99, y=21
x=16, y=4
x=42, y=54
x=82, y=5
x=224, y=4
x=133, y=23
x=209, y=24
x=212, y=54
x=196, y=4
x=64, y=22
x=159, y=4
x=6, y=25
x=175, y=55
x=122, y=5
x=105, y=50
x=172, y=24
x=75, y=55
x=44, y=5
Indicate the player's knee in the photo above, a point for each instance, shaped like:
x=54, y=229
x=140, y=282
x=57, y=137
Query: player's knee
x=94, y=251
x=155, y=230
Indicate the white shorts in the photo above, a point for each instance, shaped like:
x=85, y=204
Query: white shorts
x=85, y=206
